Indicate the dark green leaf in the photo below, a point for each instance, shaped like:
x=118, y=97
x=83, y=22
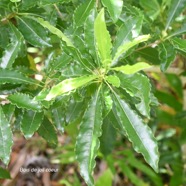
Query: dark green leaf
x=33, y=32
x=180, y=31
x=31, y=122
x=5, y=138
x=138, y=85
x=166, y=54
x=114, y=8
x=82, y=12
x=24, y=101
x=108, y=137
x=88, y=139
x=152, y=9
x=48, y=132
x=14, y=77
x=175, y=9
x=12, y=50
x=137, y=132
x=4, y=174
x=179, y=44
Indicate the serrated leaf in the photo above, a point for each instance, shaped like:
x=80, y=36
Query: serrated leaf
x=138, y=85
x=167, y=55
x=130, y=29
x=47, y=2
x=152, y=9
x=90, y=36
x=82, y=12
x=137, y=132
x=33, y=32
x=126, y=46
x=114, y=8
x=103, y=39
x=48, y=132
x=88, y=138
x=8, y=110
x=5, y=138
x=12, y=50
x=68, y=85
x=24, y=101
x=54, y=30
x=175, y=9
x=4, y=174
x=113, y=80
x=30, y=123
x=14, y=77
x=131, y=69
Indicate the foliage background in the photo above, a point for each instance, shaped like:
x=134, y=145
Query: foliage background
x=45, y=42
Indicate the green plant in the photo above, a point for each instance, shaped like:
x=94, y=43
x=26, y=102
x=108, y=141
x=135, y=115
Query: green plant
x=90, y=71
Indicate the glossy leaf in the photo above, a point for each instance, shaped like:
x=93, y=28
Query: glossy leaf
x=167, y=55
x=5, y=138
x=48, y=132
x=129, y=29
x=89, y=36
x=58, y=115
x=137, y=132
x=114, y=8
x=131, y=69
x=82, y=12
x=113, y=80
x=33, y=32
x=54, y=30
x=88, y=139
x=138, y=85
x=103, y=40
x=126, y=46
x=175, y=9
x=24, y=101
x=12, y=50
x=14, y=77
x=68, y=85
x=31, y=122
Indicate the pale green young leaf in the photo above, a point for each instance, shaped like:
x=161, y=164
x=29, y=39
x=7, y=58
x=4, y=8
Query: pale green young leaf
x=48, y=132
x=176, y=8
x=113, y=80
x=114, y=8
x=137, y=132
x=105, y=179
x=54, y=30
x=131, y=69
x=68, y=85
x=126, y=46
x=14, y=77
x=12, y=50
x=130, y=29
x=88, y=138
x=5, y=138
x=82, y=12
x=33, y=32
x=103, y=39
x=24, y=101
x=30, y=123
x=167, y=55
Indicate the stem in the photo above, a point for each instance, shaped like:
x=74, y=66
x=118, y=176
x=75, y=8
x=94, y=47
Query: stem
x=149, y=45
x=58, y=11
